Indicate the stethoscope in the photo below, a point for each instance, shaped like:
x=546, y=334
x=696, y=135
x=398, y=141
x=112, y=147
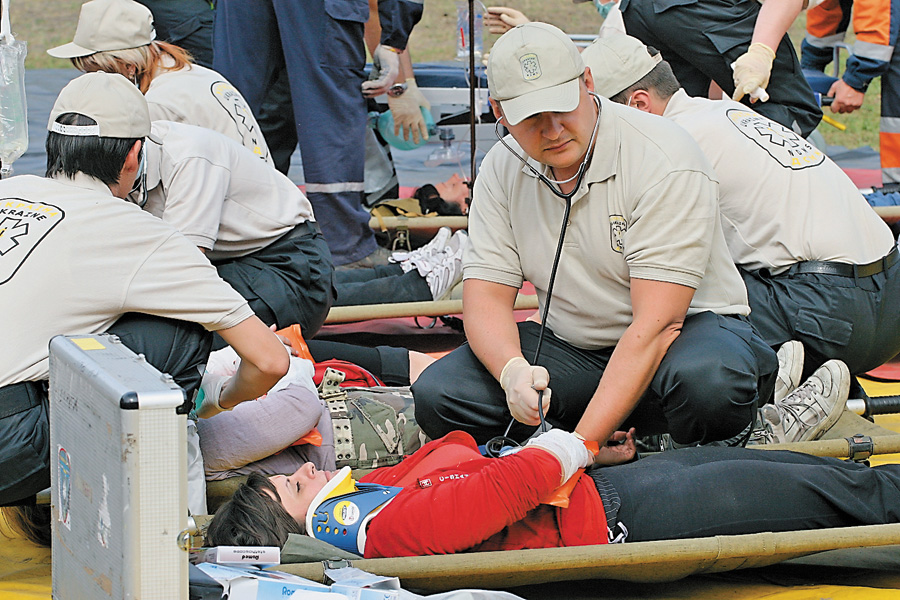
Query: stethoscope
x=495, y=446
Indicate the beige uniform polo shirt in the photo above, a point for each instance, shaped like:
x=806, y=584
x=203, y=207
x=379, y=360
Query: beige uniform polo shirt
x=218, y=194
x=74, y=258
x=782, y=200
x=646, y=209
x=202, y=97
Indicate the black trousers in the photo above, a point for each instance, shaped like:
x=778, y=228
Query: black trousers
x=185, y=23
x=178, y=348
x=708, y=491
x=388, y=363
x=706, y=389
x=287, y=282
x=701, y=38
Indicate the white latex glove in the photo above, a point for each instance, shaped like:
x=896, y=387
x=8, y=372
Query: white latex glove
x=569, y=450
x=211, y=387
x=500, y=19
x=407, y=113
x=752, y=71
x=387, y=65
x=521, y=382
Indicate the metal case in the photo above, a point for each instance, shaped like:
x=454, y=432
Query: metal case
x=118, y=473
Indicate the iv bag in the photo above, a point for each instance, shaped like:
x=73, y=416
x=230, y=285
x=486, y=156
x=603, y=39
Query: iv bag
x=13, y=114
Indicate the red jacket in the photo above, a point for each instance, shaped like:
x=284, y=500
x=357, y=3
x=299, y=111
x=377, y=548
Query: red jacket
x=456, y=500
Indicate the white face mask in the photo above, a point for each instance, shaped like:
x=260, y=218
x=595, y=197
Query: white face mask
x=603, y=7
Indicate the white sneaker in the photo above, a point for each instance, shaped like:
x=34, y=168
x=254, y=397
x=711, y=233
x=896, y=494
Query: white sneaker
x=810, y=410
x=437, y=245
x=446, y=268
x=790, y=368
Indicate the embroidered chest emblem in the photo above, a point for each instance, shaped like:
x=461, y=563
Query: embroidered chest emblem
x=617, y=227
x=531, y=67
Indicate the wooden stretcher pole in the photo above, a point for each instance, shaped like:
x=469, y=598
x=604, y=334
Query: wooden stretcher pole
x=637, y=561
x=418, y=223
x=888, y=213
x=365, y=312
x=882, y=444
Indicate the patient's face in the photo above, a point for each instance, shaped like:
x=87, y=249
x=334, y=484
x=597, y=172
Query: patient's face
x=298, y=490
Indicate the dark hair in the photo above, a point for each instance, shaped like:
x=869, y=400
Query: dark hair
x=430, y=201
x=99, y=157
x=660, y=79
x=31, y=522
x=253, y=517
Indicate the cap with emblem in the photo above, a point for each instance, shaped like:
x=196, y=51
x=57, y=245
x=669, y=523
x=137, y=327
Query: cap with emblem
x=617, y=62
x=117, y=106
x=106, y=25
x=534, y=68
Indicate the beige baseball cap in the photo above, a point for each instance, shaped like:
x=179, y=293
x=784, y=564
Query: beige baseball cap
x=617, y=62
x=534, y=68
x=116, y=104
x=106, y=25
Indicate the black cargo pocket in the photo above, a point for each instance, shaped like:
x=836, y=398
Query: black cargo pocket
x=822, y=327
x=727, y=37
x=664, y=5
x=348, y=10
x=342, y=47
x=185, y=30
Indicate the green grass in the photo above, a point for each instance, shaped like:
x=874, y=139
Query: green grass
x=47, y=23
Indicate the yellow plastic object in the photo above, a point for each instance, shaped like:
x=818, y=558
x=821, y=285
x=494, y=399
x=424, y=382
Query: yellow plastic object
x=834, y=122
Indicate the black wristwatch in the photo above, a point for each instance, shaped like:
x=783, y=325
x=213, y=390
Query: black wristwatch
x=396, y=90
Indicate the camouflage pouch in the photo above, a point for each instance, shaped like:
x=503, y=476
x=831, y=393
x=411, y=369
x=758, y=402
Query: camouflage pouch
x=373, y=426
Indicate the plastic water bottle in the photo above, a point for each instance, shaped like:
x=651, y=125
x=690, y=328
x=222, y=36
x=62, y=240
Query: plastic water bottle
x=463, y=39
x=384, y=124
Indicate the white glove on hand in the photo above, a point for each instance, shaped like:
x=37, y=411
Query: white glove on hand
x=521, y=382
x=568, y=450
x=501, y=19
x=387, y=67
x=752, y=71
x=407, y=113
x=207, y=401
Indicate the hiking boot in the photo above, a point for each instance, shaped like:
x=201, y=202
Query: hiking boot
x=810, y=410
x=378, y=258
x=790, y=368
x=437, y=245
x=445, y=268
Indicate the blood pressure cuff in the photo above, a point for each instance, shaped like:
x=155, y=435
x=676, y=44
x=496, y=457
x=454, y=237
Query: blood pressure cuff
x=24, y=441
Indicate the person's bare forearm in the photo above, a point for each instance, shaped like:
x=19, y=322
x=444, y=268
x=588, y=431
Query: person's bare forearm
x=264, y=360
x=774, y=19
x=490, y=325
x=631, y=368
x=659, y=311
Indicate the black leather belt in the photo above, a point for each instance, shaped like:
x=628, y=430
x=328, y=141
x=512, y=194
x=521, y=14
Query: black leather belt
x=304, y=228
x=847, y=270
x=19, y=397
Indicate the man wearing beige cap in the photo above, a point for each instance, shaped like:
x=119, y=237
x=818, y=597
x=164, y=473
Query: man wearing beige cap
x=647, y=325
x=76, y=258
x=819, y=264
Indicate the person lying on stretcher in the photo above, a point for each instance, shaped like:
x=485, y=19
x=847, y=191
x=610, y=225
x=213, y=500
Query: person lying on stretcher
x=448, y=498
